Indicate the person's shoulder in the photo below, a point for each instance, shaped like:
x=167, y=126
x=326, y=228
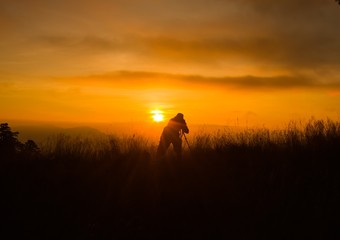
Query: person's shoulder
x=172, y=120
x=177, y=120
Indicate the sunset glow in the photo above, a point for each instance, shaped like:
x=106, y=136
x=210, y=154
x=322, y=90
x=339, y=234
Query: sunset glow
x=113, y=61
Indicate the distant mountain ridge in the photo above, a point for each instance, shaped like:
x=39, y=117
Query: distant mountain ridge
x=43, y=132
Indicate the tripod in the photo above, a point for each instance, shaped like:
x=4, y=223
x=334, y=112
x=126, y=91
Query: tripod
x=183, y=134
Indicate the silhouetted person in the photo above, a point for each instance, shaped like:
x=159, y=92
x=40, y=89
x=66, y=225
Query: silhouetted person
x=172, y=134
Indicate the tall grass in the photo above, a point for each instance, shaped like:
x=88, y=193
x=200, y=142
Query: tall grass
x=315, y=134
x=110, y=147
x=295, y=137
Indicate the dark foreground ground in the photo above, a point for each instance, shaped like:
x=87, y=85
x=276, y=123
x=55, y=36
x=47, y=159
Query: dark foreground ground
x=207, y=195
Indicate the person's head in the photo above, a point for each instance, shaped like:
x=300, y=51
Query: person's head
x=179, y=116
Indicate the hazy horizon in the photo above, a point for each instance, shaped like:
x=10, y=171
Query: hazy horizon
x=40, y=130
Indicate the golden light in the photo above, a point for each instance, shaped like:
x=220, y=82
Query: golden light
x=157, y=115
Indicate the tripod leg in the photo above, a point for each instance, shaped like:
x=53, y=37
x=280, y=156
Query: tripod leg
x=187, y=141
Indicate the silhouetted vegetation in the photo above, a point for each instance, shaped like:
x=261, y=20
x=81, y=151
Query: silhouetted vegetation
x=245, y=184
x=11, y=147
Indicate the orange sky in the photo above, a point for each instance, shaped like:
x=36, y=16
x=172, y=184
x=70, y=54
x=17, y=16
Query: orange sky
x=254, y=61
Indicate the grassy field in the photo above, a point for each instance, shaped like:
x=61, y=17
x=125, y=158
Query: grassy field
x=245, y=184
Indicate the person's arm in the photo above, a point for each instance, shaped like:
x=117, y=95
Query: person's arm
x=185, y=128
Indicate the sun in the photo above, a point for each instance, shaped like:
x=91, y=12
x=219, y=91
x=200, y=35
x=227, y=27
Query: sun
x=157, y=115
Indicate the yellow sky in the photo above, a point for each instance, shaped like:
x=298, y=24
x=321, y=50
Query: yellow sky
x=254, y=61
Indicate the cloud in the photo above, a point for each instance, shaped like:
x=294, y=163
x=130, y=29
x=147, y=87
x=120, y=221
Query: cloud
x=290, y=34
x=130, y=79
x=285, y=6
x=287, y=36
x=302, y=51
x=87, y=44
x=258, y=82
x=288, y=52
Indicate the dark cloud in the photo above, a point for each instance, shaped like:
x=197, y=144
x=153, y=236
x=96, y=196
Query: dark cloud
x=304, y=51
x=291, y=52
x=255, y=82
x=285, y=6
x=130, y=79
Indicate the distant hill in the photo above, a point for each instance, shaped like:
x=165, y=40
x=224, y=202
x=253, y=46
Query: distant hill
x=42, y=132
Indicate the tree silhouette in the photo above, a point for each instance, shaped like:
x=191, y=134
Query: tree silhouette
x=31, y=147
x=10, y=144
